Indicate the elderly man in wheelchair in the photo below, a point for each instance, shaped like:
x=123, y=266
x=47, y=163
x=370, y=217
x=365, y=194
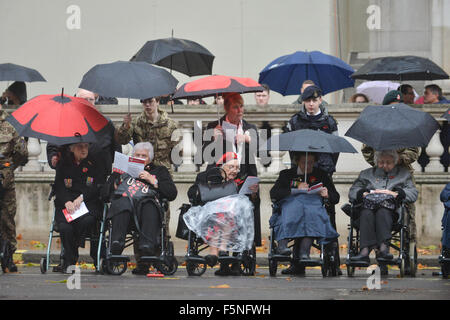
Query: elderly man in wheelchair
x=137, y=205
x=378, y=192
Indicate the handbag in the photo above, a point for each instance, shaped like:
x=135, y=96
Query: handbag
x=182, y=229
x=375, y=201
x=212, y=191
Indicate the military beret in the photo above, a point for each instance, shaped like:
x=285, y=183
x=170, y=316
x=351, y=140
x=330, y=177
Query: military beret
x=311, y=92
x=392, y=96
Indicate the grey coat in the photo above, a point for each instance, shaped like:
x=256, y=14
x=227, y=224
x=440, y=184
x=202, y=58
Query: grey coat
x=398, y=179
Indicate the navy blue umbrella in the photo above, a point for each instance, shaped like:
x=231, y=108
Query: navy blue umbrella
x=286, y=74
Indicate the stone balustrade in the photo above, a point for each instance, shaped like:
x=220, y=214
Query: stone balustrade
x=35, y=212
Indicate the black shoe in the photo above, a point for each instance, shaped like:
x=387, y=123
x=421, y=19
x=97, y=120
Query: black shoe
x=235, y=269
x=141, y=269
x=385, y=255
x=116, y=248
x=211, y=260
x=10, y=267
x=305, y=257
x=283, y=251
x=58, y=268
x=223, y=271
x=147, y=250
x=294, y=270
x=360, y=257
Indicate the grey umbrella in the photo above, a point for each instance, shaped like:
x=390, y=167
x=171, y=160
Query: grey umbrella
x=125, y=79
x=393, y=127
x=15, y=72
x=307, y=140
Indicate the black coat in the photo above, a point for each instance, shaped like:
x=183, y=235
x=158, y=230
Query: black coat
x=202, y=178
x=166, y=189
x=72, y=180
x=323, y=122
x=282, y=187
x=248, y=164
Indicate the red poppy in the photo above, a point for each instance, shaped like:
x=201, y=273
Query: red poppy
x=85, y=170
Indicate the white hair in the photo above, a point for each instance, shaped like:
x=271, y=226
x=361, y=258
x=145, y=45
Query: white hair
x=391, y=153
x=144, y=146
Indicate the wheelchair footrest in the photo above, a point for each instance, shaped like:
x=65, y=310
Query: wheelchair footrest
x=360, y=264
x=151, y=259
x=395, y=261
x=280, y=258
x=444, y=260
x=118, y=258
x=229, y=259
x=195, y=259
x=310, y=262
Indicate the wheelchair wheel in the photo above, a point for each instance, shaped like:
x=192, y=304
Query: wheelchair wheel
x=168, y=267
x=248, y=264
x=273, y=266
x=43, y=265
x=195, y=269
x=402, y=267
x=116, y=268
x=413, y=262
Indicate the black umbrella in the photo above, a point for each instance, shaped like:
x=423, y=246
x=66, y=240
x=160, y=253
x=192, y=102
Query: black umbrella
x=393, y=127
x=124, y=79
x=307, y=140
x=15, y=72
x=185, y=56
x=400, y=68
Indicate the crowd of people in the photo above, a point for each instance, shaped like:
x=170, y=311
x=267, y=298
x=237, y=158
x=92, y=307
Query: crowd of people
x=84, y=175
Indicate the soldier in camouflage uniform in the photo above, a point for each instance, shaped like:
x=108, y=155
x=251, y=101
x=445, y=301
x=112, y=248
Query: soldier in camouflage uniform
x=13, y=153
x=406, y=157
x=152, y=125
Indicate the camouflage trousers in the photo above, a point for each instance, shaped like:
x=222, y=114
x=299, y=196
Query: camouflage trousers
x=7, y=215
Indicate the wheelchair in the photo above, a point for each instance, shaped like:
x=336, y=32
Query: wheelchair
x=327, y=261
x=195, y=263
x=165, y=262
x=400, y=242
x=54, y=233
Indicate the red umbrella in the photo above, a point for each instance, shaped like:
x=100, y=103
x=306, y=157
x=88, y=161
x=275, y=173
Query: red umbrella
x=216, y=84
x=58, y=119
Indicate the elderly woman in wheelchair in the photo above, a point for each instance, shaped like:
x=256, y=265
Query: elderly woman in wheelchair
x=379, y=191
x=301, y=195
x=220, y=217
x=136, y=203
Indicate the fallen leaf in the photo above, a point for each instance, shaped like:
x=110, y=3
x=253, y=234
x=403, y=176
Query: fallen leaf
x=365, y=288
x=221, y=286
x=289, y=279
x=19, y=237
x=384, y=282
x=61, y=281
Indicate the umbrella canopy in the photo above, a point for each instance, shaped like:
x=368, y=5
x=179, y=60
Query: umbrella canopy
x=400, y=68
x=217, y=84
x=376, y=90
x=58, y=119
x=393, y=127
x=308, y=140
x=15, y=72
x=124, y=79
x=286, y=74
x=185, y=56
x=446, y=115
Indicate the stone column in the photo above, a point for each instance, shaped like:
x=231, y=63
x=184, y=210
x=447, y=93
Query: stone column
x=277, y=156
x=34, y=150
x=434, y=151
x=188, y=149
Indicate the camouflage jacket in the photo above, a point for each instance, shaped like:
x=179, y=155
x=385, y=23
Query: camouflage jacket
x=406, y=156
x=13, y=148
x=159, y=134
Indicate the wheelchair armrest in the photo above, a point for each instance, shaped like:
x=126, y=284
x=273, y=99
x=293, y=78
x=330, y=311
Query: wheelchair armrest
x=164, y=203
x=347, y=208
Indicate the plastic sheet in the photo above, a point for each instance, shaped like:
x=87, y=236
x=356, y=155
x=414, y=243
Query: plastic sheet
x=226, y=223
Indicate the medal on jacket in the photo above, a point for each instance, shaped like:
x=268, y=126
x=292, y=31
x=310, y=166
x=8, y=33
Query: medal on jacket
x=89, y=181
x=68, y=183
